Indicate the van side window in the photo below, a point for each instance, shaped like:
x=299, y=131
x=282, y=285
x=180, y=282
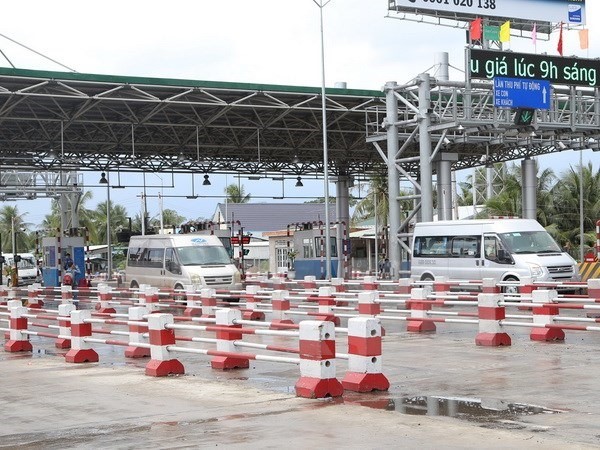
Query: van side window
x=171, y=263
x=155, y=257
x=465, y=247
x=435, y=246
x=133, y=256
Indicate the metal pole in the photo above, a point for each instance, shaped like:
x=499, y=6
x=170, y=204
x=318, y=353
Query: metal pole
x=1, y=262
x=376, y=235
x=393, y=253
x=108, y=230
x=321, y=5
x=425, y=148
x=14, y=239
x=581, y=231
x=144, y=205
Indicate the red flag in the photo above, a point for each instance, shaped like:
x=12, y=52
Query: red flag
x=560, y=41
x=475, y=29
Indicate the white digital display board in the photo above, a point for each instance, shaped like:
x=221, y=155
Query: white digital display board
x=567, y=11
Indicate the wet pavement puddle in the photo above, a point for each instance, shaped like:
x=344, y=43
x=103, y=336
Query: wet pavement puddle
x=487, y=412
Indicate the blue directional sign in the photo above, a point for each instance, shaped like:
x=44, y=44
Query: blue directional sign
x=521, y=93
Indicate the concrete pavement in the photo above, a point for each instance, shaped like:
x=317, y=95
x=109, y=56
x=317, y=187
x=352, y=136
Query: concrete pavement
x=445, y=392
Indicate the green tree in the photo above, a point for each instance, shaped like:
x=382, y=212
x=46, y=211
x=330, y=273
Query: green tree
x=376, y=196
x=236, y=194
x=118, y=219
x=170, y=218
x=509, y=201
x=11, y=219
x=566, y=205
x=86, y=216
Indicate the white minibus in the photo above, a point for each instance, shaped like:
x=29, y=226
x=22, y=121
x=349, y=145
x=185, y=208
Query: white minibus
x=27, y=269
x=173, y=261
x=504, y=249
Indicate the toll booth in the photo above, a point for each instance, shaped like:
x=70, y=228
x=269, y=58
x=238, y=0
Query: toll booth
x=309, y=243
x=54, y=251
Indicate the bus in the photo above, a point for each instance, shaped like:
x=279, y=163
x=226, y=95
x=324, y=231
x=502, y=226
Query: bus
x=175, y=260
x=504, y=249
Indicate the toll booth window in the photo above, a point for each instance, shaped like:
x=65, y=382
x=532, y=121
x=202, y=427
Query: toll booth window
x=319, y=241
x=465, y=247
x=308, y=250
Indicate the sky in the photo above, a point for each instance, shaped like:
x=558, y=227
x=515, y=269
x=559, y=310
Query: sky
x=262, y=41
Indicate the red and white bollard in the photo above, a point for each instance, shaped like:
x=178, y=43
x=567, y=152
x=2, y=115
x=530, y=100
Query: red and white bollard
x=151, y=299
x=404, y=286
x=281, y=305
x=544, y=315
x=3, y=294
x=309, y=282
x=137, y=327
x=66, y=294
x=251, y=311
x=370, y=283
x=317, y=361
x=226, y=341
x=17, y=341
x=33, y=296
x=594, y=289
x=338, y=284
x=368, y=304
x=193, y=302
x=208, y=297
x=161, y=364
x=326, y=304
x=277, y=283
x=490, y=286
x=419, y=304
x=64, y=325
x=263, y=282
x=105, y=296
x=526, y=286
x=491, y=333
x=364, y=356
x=81, y=351
x=441, y=285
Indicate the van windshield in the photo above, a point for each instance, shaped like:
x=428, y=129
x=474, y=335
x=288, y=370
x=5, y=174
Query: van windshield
x=530, y=242
x=203, y=255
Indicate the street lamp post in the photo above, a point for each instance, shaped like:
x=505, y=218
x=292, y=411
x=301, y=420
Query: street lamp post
x=321, y=4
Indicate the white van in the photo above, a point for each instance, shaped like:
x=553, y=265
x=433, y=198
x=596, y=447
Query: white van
x=173, y=260
x=504, y=249
x=27, y=269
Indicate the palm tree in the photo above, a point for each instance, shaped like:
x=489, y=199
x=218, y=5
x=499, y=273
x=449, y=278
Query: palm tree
x=118, y=219
x=509, y=201
x=566, y=200
x=377, y=195
x=11, y=220
x=236, y=194
x=86, y=216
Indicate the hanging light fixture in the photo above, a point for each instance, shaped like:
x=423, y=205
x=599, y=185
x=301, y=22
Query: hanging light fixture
x=206, y=181
x=299, y=182
x=103, y=179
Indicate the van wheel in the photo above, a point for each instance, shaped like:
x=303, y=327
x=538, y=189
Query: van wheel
x=510, y=289
x=427, y=277
x=134, y=285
